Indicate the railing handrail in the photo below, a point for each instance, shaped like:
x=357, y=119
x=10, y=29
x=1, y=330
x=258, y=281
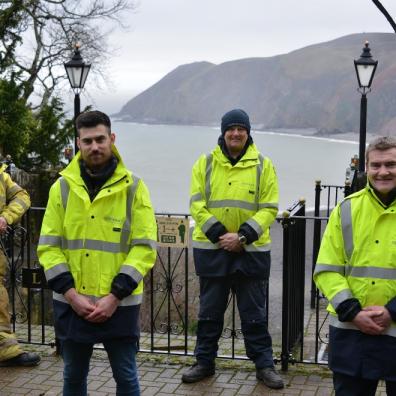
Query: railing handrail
x=294, y=328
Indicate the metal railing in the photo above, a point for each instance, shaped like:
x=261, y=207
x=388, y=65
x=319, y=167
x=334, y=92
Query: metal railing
x=171, y=301
x=294, y=235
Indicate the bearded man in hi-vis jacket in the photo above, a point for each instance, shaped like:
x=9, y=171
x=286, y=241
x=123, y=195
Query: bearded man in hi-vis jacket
x=97, y=243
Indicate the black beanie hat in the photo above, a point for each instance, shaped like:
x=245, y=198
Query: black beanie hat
x=235, y=117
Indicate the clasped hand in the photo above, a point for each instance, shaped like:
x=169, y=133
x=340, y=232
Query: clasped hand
x=373, y=320
x=97, y=312
x=230, y=242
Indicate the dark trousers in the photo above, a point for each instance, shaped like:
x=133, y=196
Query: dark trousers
x=251, y=300
x=345, y=385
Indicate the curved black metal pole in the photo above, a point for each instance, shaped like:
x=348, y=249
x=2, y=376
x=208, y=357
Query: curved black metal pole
x=386, y=13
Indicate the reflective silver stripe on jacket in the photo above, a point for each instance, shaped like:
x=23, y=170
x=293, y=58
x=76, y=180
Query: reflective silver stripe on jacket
x=340, y=297
x=195, y=197
x=65, y=188
x=258, y=177
x=21, y=203
x=232, y=203
x=208, y=174
x=373, y=272
x=132, y=272
x=256, y=227
x=209, y=223
x=7, y=342
x=103, y=246
x=346, y=224
x=205, y=245
x=74, y=244
x=50, y=240
x=358, y=272
x=390, y=331
x=148, y=242
x=134, y=299
x=93, y=244
x=340, y=269
x=14, y=189
x=128, y=212
x=56, y=270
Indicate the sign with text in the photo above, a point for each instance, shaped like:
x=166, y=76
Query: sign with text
x=34, y=278
x=173, y=231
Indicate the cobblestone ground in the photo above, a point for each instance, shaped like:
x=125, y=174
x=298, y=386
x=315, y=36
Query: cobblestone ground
x=160, y=375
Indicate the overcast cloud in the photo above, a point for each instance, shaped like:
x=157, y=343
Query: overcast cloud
x=166, y=33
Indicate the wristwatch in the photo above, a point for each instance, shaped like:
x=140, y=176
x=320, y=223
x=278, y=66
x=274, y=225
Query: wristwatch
x=242, y=239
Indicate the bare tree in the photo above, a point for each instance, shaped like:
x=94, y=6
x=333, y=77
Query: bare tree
x=37, y=37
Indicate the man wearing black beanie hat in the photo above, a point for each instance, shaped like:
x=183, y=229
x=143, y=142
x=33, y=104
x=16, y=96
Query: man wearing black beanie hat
x=234, y=200
x=236, y=117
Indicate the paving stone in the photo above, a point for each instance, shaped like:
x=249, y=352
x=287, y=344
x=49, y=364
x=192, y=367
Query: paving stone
x=323, y=391
x=159, y=379
x=229, y=392
x=150, y=391
x=224, y=377
x=246, y=390
x=95, y=385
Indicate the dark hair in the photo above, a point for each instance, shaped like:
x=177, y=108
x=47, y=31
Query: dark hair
x=90, y=119
x=381, y=143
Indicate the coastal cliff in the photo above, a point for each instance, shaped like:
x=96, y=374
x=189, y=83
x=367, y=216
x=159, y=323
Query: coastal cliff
x=313, y=87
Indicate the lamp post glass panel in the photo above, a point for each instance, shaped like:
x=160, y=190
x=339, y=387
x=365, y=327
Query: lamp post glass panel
x=77, y=72
x=365, y=68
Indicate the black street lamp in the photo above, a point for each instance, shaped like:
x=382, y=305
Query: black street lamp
x=365, y=68
x=77, y=71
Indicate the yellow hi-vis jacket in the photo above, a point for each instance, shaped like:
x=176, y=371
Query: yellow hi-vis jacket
x=246, y=192
x=233, y=195
x=14, y=200
x=357, y=257
x=114, y=234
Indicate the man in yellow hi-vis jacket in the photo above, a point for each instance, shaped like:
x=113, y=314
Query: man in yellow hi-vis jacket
x=14, y=202
x=356, y=271
x=97, y=243
x=234, y=200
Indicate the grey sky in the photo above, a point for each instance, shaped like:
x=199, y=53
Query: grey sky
x=166, y=33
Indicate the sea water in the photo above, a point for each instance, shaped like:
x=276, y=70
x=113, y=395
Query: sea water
x=163, y=156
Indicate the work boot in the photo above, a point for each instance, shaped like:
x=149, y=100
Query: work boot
x=25, y=359
x=270, y=377
x=197, y=373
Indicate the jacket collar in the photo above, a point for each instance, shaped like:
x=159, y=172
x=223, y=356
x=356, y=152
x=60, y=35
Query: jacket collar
x=249, y=158
x=374, y=193
x=73, y=174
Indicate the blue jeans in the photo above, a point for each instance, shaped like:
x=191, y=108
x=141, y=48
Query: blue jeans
x=121, y=353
